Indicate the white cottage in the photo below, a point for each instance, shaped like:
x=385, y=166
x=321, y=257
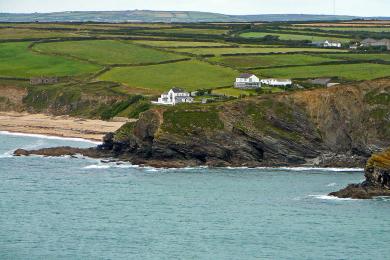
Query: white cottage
x=247, y=81
x=328, y=44
x=277, y=82
x=173, y=97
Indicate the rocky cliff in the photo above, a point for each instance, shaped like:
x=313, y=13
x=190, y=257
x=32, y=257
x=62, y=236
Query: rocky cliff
x=377, y=181
x=339, y=126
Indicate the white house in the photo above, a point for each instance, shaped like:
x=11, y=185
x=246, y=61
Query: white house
x=173, y=97
x=328, y=44
x=247, y=81
x=276, y=82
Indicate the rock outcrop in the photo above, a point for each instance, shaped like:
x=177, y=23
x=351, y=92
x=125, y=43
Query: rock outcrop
x=337, y=127
x=377, y=181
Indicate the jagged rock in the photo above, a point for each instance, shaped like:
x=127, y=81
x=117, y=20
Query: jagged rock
x=377, y=181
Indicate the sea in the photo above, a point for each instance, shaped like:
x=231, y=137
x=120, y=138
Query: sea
x=81, y=208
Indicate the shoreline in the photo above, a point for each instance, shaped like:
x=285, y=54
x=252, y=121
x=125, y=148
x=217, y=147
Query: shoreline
x=66, y=127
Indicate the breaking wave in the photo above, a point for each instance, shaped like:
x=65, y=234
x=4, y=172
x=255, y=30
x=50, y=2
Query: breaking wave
x=49, y=137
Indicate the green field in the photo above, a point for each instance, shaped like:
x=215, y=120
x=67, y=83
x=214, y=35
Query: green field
x=190, y=75
x=12, y=33
x=175, y=44
x=189, y=31
x=16, y=60
x=292, y=37
x=247, y=61
x=361, y=71
x=349, y=29
x=107, y=52
x=219, y=51
x=357, y=56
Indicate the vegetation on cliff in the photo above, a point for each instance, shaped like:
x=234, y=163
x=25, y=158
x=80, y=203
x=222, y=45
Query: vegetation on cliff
x=380, y=160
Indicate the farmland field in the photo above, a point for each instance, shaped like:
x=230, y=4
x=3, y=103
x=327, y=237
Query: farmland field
x=189, y=31
x=190, y=75
x=361, y=71
x=12, y=33
x=219, y=51
x=107, y=52
x=141, y=60
x=350, y=29
x=175, y=44
x=359, y=56
x=247, y=61
x=294, y=37
x=17, y=61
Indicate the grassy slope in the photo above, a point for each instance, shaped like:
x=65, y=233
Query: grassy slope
x=293, y=37
x=362, y=71
x=219, y=51
x=271, y=60
x=190, y=75
x=17, y=61
x=107, y=52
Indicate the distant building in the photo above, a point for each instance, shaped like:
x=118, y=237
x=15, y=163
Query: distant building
x=173, y=97
x=319, y=81
x=328, y=44
x=277, y=82
x=247, y=81
x=355, y=46
x=43, y=81
x=373, y=43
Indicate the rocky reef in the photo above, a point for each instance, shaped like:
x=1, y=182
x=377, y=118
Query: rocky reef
x=331, y=127
x=377, y=181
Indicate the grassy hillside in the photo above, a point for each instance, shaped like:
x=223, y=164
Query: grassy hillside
x=107, y=52
x=190, y=75
x=114, y=62
x=16, y=60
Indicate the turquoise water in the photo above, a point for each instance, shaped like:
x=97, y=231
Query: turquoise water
x=66, y=208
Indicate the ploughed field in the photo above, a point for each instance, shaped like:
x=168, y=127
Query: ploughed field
x=123, y=66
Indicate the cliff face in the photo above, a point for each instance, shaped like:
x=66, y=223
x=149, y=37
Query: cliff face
x=336, y=127
x=340, y=126
x=377, y=181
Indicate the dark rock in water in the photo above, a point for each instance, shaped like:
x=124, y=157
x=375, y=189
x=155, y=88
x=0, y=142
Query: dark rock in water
x=21, y=152
x=377, y=181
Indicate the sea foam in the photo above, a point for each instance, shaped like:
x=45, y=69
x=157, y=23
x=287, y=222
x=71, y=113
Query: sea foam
x=327, y=197
x=49, y=137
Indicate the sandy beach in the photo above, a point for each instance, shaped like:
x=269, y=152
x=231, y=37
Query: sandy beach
x=62, y=126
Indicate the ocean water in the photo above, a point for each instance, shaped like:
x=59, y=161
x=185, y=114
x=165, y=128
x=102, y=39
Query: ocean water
x=79, y=208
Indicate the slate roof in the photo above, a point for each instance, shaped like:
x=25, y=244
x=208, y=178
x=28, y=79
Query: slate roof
x=245, y=75
x=178, y=90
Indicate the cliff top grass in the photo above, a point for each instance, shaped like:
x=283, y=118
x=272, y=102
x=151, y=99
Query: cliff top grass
x=182, y=120
x=380, y=160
